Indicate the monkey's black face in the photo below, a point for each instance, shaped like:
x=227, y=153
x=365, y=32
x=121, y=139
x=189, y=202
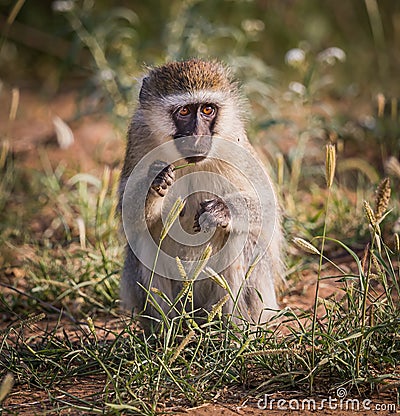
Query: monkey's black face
x=194, y=127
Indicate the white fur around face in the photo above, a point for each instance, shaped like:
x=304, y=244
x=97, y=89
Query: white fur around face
x=229, y=123
x=202, y=96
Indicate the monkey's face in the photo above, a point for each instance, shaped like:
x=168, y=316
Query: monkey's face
x=190, y=102
x=194, y=129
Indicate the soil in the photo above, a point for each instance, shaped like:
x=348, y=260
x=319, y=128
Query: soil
x=34, y=143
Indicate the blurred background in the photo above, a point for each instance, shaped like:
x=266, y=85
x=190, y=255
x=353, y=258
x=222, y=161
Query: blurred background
x=287, y=54
x=49, y=42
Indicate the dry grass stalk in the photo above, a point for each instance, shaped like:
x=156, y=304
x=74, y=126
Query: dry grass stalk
x=203, y=260
x=380, y=98
x=280, y=168
x=396, y=243
x=14, y=104
x=4, y=153
x=219, y=279
x=171, y=217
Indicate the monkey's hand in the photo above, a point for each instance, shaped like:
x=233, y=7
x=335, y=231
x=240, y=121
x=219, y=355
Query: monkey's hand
x=212, y=213
x=165, y=177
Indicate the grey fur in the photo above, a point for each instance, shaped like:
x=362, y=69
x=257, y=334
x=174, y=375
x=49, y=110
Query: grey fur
x=151, y=126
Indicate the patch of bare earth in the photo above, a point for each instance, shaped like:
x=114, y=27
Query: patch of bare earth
x=96, y=142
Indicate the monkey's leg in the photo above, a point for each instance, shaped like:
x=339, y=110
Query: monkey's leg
x=132, y=296
x=255, y=290
x=259, y=293
x=253, y=301
x=136, y=292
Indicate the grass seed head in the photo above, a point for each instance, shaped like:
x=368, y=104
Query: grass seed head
x=330, y=164
x=219, y=279
x=156, y=291
x=396, y=243
x=91, y=326
x=369, y=213
x=217, y=308
x=33, y=319
x=305, y=246
x=382, y=198
x=181, y=269
x=182, y=346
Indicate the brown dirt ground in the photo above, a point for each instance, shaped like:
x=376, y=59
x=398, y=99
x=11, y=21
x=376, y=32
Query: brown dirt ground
x=97, y=144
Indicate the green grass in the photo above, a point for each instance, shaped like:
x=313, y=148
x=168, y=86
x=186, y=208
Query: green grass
x=72, y=281
x=64, y=335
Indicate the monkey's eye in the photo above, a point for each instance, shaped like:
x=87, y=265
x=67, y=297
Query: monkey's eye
x=208, y=110
x=184, y=111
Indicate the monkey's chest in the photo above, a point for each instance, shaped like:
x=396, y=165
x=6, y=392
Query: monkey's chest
x=185, y=240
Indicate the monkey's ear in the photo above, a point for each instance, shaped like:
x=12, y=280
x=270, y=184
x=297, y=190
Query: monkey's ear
x=143, y=93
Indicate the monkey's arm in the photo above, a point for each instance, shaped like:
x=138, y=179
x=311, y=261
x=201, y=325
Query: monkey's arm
x=164, y=177
x=233, y=213
x=154, y=184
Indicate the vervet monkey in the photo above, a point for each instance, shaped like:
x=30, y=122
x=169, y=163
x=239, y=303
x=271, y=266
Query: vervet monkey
x=187, y=105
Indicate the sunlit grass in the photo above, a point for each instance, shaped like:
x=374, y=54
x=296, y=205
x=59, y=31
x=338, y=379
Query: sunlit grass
x=350, y=342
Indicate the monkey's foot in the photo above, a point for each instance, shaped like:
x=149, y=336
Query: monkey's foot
x=165, y=177
x=212, y=213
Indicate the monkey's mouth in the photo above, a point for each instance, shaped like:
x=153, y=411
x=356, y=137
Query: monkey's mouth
x=195, y=159
x=193, y=148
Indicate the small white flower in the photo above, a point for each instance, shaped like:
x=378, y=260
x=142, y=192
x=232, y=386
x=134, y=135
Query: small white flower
x=297, y=87
x=106, y=74
x=368, y=122
x=331, y=55
x=253, y=25
x=62, y=5
x=295, y=57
